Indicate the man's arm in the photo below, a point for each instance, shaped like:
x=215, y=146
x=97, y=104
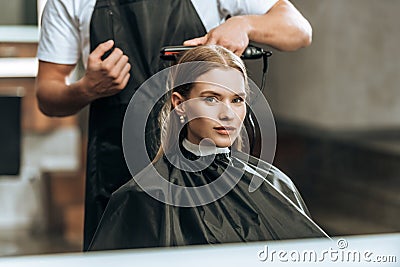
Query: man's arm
x=102, y=78
x=282, y=27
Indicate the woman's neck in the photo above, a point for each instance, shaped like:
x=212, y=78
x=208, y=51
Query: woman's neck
x=203, y=150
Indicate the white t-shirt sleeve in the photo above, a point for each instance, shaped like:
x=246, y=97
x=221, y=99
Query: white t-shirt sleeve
x=213, y=12
x=59, y=36
x=244, y=7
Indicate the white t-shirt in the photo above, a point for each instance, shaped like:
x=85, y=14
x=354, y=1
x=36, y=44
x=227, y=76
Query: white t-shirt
x=64, y=37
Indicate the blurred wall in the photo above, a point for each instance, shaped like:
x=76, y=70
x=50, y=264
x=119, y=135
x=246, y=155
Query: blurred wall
x=11, y=12
x=349, y=78
x=18, y=12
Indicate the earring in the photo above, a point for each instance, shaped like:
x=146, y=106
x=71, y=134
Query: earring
x=182, y=119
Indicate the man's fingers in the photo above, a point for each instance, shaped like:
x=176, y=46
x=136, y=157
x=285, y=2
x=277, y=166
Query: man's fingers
x=120, y=83
x=239, y=51
x=101, y=49
x=122, y=62
x=126, y=69
x=113, y=59
x=124, y=72
x=196, y=41
x=123, y=78
x=211, y=41
x=120, y=77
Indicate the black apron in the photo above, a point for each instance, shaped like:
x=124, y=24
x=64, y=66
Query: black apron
x=139, y=28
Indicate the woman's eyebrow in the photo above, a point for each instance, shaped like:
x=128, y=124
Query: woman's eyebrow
x=242, y=94
x=210, y=93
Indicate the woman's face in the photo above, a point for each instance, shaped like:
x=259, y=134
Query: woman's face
x=216, y=107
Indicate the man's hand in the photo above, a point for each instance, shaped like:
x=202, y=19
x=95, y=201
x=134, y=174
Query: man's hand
x=233, y=35
x=102, y=78
x=282, y=27
x=106, y=77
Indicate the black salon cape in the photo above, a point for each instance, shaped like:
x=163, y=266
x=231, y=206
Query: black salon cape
x=134, y=219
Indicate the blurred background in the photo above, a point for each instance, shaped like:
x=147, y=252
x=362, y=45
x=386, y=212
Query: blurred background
x=337, y=110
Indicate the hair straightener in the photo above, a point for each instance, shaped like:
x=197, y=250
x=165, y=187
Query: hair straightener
x=173, y=52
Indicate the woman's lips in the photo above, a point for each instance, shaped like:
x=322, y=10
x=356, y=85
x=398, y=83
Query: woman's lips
x=225, y=130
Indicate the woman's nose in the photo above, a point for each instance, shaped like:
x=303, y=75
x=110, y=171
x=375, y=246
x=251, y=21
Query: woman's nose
x=225, y=112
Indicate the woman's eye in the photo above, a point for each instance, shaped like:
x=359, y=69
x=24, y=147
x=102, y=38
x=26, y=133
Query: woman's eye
x=210, y=99
x=238, y=100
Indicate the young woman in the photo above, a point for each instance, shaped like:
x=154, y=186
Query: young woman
x=201, y=140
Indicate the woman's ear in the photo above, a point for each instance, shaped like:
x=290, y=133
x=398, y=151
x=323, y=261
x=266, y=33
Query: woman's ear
x=177, y=103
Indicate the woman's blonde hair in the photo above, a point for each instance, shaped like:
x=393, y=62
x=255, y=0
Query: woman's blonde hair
x=183, y=75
